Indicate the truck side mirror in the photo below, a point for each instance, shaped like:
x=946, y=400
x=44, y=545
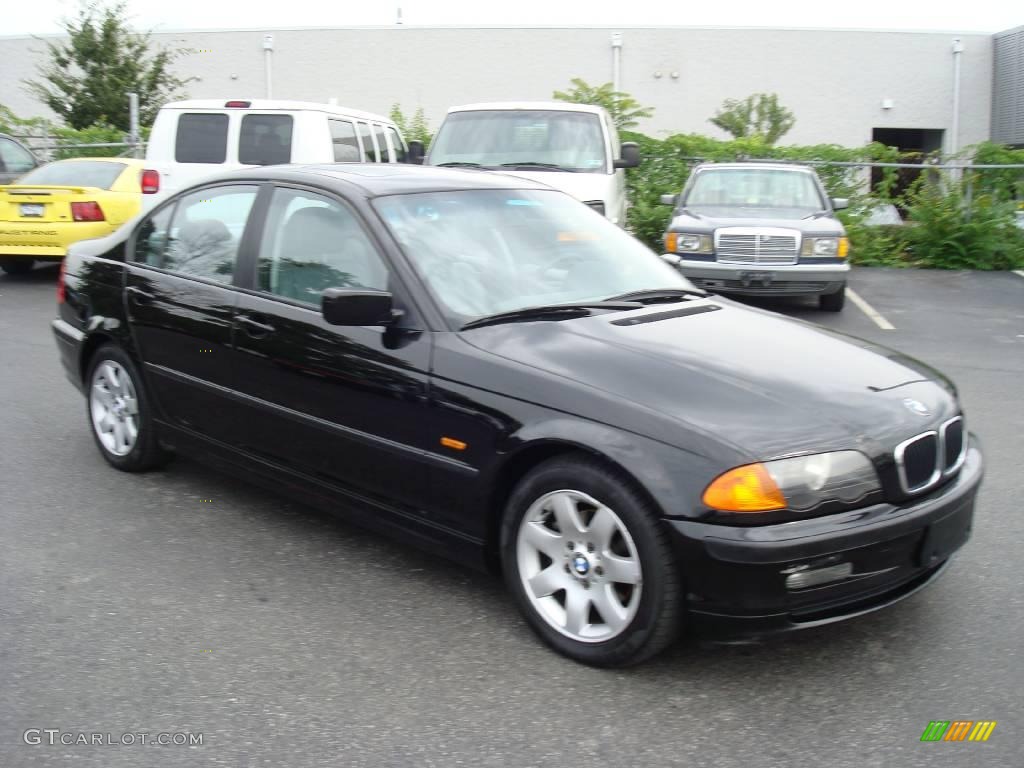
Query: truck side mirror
x=415, y=153
x=838, y=203
x=669, y=199
x=630, y=155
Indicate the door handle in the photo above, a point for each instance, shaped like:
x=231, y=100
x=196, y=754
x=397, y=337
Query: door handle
x=255, y=328
x=138, y=295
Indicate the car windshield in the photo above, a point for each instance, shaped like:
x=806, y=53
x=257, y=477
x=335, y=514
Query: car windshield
x=77, y=173
x=481, y=252
x=500, y=138
x=754, y=188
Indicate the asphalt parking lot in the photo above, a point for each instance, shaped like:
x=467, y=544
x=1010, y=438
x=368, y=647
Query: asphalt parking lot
x=184, y=600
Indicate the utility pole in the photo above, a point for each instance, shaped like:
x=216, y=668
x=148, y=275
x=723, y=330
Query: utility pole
x=268, y=63
x=616, y=60
x=133, y=123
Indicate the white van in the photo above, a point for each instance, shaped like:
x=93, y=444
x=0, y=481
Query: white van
x=192, y=139
x=572, y=147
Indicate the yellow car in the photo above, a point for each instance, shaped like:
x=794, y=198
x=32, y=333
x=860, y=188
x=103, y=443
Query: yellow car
x=61, y=203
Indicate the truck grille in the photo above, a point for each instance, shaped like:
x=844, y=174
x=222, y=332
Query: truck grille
x=924, y=460
x=744, y=245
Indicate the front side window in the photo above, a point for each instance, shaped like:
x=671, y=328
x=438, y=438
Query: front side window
x=15, y=158
x=396, y=142
x=265, y=140
x=311, y=243
x=202, y=138
x=508, y=138
x=481, y=252
x=206, y=231
x=369, y=151
x=343, y=138
x=151, y=238
x=754, y=188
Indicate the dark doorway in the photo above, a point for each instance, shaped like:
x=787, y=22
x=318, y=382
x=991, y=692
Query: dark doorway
x=914, y=144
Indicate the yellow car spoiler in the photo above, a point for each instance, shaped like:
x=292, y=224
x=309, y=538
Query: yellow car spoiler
x=45, y=189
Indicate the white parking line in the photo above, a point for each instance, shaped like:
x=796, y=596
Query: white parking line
x=1019, y=272
x=870, y=311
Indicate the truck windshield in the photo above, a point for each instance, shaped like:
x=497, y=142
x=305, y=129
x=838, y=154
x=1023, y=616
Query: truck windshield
x=754, y=188
x=546, y=139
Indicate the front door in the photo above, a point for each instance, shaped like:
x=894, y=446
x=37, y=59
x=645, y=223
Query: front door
x=181, y=302
x=345, y=404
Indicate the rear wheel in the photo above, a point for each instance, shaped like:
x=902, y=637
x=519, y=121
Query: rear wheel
x=17, y=266
x=833, y=302
x=589, y=564
x=119, y=412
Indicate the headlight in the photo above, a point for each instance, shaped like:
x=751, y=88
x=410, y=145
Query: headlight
x=800, y=484
x=681, y=242
x=836, y=247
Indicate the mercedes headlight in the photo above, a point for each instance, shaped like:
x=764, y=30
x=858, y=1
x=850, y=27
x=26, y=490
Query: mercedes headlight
x=836, y=247
x=683, y=242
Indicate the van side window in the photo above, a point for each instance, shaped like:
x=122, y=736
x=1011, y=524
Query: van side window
x=369, y=152
x=202, y=138
x=378, y=130
x=396, y=142
x=343, y=137
x=265, y=140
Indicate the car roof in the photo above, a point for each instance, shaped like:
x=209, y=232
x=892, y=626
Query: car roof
x=271, y=105
x=747, y=166
x=550, y=106
x=378, y=179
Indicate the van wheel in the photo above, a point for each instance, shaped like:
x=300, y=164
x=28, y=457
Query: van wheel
x=17, y=266
x=589, y=564
x=119, y=412
x=833, y=302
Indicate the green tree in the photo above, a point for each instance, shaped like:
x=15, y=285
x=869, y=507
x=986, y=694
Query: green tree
x=418, y=128
x=626, y=111
x=87, y=78
x=757, y=115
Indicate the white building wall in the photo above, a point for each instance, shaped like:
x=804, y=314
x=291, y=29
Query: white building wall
x=834, y=81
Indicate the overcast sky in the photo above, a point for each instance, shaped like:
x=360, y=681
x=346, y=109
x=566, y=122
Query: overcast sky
x=23, y=17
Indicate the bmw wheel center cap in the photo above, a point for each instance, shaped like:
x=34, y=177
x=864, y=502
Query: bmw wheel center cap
x=581, y=565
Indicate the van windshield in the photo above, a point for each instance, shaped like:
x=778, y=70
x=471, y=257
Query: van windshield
x=521, y=138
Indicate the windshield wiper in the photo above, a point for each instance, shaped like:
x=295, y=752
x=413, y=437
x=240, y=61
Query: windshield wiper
x=458, y=164
x=659, y=295
x=531, y=164
x=815, y=215
x=549, y=312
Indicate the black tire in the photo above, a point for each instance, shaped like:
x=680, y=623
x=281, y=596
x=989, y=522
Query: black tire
x=18, y=266
x=832, y=302
x=146, y=453
x=658, y=617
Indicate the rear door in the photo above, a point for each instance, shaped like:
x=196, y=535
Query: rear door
x=181, y=301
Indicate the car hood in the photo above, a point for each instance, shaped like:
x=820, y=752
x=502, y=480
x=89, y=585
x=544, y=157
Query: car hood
x=764, y=384
x=709, y=218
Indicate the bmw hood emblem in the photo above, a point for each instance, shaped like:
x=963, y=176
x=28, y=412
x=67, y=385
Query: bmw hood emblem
x=916, y=406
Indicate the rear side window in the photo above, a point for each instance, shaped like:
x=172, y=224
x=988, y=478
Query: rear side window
x=77, y=173
x=346, y=145
x=369, y=153
x=206, y=231
x=202, y=138
x=378, y=131
x=396, y=141
x=265, y=140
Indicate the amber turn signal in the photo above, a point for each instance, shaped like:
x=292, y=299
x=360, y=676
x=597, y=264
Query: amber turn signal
x=745, y=489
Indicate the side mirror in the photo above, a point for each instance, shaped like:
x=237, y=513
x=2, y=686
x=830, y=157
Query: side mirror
x=344, y=306
x=669, y=199
x=415, y=154
x=630, y=155
x=838, y=203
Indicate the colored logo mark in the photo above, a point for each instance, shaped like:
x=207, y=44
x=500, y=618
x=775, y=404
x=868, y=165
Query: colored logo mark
x=958, y=730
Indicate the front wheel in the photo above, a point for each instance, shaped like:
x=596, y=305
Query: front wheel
x=589, y=564
x=17, y=266
x=833, y=302
x=119, y=412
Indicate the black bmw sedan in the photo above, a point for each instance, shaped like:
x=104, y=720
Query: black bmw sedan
x=492, y=370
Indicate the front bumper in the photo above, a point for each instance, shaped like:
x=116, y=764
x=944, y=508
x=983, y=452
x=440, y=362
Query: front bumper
x=765, y=280
x=737, y=576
